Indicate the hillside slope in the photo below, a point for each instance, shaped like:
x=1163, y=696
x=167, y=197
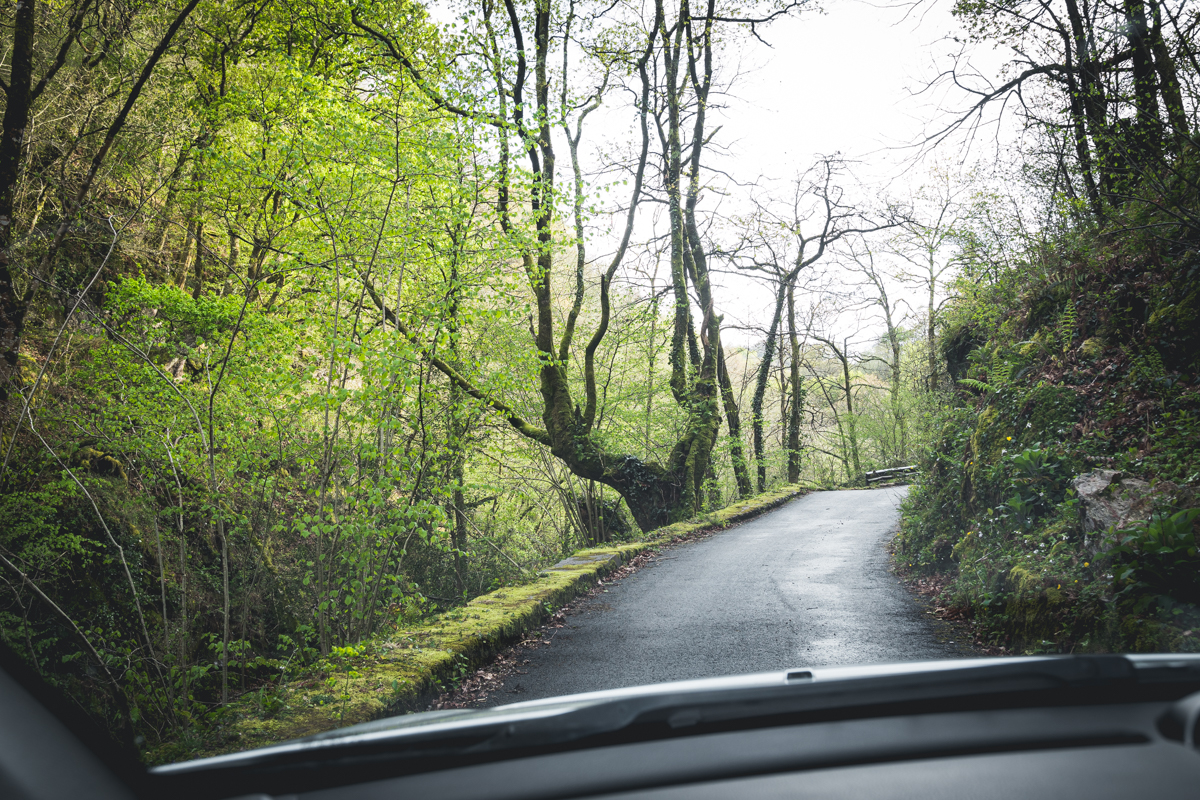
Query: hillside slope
x=1060, y=493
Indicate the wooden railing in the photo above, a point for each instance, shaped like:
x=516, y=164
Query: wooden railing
x=887, y=474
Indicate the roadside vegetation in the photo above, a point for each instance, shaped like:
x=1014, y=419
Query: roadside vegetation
x=1060, y=483
x=320, y=321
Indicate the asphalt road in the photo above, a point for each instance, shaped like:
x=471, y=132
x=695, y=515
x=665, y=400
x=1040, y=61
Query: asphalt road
x=805, y=585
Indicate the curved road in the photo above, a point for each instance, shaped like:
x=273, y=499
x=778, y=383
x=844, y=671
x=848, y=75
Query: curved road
x=805, y=585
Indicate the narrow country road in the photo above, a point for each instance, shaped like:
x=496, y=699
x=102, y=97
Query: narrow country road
x=805, y=585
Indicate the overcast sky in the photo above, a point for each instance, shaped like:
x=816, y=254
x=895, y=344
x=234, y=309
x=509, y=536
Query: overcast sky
x=837, y=81
x=842, y=80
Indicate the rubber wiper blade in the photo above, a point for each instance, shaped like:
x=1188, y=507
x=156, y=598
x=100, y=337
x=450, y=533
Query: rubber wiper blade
x=579, y=723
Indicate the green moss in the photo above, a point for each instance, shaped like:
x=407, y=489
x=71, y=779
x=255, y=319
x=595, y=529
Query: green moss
x=1032, y=605
x=92, y=460
x=990, y=438
x=1092, y=348
x=1036, y=346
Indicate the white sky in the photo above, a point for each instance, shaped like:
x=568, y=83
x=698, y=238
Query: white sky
x=838, y=81
x=843, y=81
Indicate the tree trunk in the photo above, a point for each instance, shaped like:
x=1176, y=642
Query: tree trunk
x=457, y=431
x=797, y=409
x=931, y=329
x=459, y=531
x=897, y=411
x=1147, y=140
x=1085, y=112
x=760, y=389
x=733, y=417
x=851, y=420
x=1168, y=82
x=198, y=264
x=19, y=99
x=655, y=494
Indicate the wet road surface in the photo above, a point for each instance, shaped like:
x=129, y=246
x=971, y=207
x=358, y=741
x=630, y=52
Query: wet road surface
x=808, y=584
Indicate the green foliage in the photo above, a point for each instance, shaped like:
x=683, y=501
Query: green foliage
x=32, y=530
x=1159, y=558
x=978, y=386
x=1065, y=373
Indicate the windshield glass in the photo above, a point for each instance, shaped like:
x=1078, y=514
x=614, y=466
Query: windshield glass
x=370, y=359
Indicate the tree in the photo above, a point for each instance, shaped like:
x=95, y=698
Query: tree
x=927, y=243
x=876, y=279
x=780, y=241
x=21, y=92
x=678, y=48
x=1101, y=77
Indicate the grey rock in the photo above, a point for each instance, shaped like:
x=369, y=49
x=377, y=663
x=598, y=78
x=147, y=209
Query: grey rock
x=1109, y=502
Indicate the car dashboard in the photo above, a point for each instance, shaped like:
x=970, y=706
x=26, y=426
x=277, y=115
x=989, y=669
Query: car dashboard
x=1077, y=726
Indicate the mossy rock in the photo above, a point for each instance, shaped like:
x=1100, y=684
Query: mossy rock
x=97, y=462
x=1092, y=348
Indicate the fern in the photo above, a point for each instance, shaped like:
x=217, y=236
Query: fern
x=1154, y=366
x=1001, y=370
x=1149, y=364
x=1066, y=326
x=978, y=386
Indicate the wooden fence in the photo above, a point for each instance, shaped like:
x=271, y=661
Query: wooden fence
x=887, y=474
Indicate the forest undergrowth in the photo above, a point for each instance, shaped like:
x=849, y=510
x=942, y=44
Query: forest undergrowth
x=1082, y=356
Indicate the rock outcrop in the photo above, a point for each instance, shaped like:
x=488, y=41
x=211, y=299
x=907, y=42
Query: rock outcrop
x=1107, y=500
x=1110, y=502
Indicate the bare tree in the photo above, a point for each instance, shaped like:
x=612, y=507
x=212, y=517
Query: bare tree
x=1100, y=77
x=927, y=244
x=779, y=241
x=876, y=280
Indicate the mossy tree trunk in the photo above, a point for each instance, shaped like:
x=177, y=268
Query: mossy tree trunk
x=797, y=391
x=655, y=493
x=18, y=104
x=733, y=419
x=760, y=389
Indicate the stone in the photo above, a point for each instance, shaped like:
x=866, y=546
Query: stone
x=1109, y=502
x=586, y=559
